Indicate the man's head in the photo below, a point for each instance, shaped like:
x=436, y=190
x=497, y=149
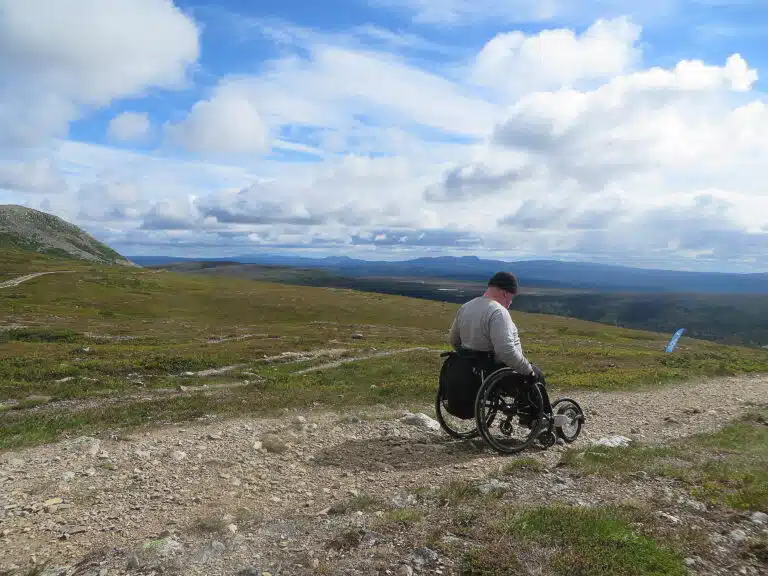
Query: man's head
x=502, y=287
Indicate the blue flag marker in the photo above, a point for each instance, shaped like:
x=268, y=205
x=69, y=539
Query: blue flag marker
x=674, y=340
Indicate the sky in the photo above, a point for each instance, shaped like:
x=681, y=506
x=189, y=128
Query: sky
x=596, y=130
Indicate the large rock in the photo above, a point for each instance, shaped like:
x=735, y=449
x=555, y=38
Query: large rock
x=420, y=420
x=153, y=551
x=759, y=518
x=423, y=557
x=299, y=423
x=273, y=443
x=86, y=445
x=493, y=485
x=613, y=441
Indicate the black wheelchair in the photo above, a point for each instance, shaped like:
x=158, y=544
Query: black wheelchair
x=479, y=394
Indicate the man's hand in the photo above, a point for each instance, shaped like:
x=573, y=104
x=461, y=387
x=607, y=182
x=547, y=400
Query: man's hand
x=537, y=376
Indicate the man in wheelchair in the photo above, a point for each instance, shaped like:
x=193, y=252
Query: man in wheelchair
x=485, y=339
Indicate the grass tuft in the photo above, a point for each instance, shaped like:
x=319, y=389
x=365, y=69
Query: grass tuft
x=594, y=540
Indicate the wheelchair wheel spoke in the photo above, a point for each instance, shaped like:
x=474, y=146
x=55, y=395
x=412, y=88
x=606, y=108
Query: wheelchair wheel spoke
x=501, y=414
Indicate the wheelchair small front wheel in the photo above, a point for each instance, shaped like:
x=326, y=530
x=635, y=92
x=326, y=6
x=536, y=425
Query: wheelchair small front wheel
x=569, y=418
x=444, y=417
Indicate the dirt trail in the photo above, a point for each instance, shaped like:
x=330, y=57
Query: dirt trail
x=21, y=279
x=48, y=405
x=338, y=363
x=223, y=496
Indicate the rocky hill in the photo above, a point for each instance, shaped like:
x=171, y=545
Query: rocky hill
x=36, y=231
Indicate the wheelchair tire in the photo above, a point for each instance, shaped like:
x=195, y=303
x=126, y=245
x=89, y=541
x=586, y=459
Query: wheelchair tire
x=486, y=403
x=439, y=408
x=571, y=409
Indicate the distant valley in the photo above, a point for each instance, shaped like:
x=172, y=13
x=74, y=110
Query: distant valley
x=538, y=273
x=725, y=308
x=729, y=318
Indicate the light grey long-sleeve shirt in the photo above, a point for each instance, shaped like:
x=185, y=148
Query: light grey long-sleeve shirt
x=485, y=325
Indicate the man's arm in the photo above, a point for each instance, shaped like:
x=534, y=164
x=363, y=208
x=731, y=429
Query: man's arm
x=506, y=343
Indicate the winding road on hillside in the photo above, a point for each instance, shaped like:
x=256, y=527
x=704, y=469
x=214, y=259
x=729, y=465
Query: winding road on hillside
x=251, y=496
x=21, y=279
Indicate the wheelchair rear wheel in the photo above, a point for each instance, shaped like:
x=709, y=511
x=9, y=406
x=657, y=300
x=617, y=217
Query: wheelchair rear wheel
x=458, y=428
x=517, y=411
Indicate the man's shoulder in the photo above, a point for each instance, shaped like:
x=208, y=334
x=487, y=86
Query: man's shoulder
x=469, y=303
x=484, y=305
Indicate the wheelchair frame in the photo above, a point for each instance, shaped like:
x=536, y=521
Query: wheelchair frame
x=548, y=427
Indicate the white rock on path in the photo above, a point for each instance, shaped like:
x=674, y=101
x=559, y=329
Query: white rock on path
x=420, y=420
x=274, y=444
x=492, y=485
x=613, y=441
x=738, y=535
x=87, y=444
x=299, y=423
x=759, y=518
x=178, y=455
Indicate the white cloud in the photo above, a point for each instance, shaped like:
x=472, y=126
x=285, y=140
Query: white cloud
x=366, y=36
x=227, y=123
x=357, y=97
x=343, y=90
x=110, y=200
x=518, y=64
x=129, y=126
x=588, y=152
x=59, y=58
x=652, y=122
x=469, y=12
x=167, y=215
x=36, y=177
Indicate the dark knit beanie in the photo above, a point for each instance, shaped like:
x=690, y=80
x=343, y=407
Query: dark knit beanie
x=505, y=281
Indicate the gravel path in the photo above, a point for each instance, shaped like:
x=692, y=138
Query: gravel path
x=216, y=497
x=21, y=279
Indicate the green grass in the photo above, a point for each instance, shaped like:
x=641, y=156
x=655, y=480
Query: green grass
x=170, y=318
x=268, y=398
x=594, y=540
x=399, y=519
x=495, y=536
x=355, y=504
x=457, y=492
x=524, y=465
x=728, y=467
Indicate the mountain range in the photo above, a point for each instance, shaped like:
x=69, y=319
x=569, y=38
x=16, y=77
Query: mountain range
x=538, y=273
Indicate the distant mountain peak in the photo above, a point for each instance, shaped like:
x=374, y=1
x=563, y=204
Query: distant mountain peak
x=36, y=231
